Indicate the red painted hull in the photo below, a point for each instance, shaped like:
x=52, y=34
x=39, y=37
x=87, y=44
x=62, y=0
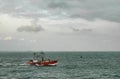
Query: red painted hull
x=43, y=63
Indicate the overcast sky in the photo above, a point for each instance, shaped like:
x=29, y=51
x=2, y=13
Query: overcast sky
x=60, y=25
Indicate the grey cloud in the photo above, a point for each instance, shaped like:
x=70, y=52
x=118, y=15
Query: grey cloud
x=81, y=29
x=58, y=4
x=34, y=27
x=30, y=29
x=75, y=29
x=87, y=29
x=88, y=9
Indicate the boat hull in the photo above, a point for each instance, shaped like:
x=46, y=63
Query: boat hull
x=43, y=63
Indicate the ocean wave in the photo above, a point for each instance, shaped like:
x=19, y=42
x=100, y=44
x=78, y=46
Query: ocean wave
x=20, y=70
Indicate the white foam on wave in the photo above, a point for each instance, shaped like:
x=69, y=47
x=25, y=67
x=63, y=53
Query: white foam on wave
x=12, y=64
x=23, y=64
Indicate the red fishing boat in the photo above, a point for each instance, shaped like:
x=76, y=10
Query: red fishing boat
x=39, y=60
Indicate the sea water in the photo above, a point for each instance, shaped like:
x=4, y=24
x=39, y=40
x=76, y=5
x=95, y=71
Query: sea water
x=71, y=65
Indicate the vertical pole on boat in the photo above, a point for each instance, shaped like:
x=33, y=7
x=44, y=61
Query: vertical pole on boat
x=34, y=55
x=42, y=56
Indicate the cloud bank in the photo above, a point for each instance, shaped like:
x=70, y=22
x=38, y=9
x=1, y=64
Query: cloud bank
x=29, y=29
x=87, y=9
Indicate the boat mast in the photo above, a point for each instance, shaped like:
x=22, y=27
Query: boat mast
x=42, y=55
x=34, y=55
x=39, y=55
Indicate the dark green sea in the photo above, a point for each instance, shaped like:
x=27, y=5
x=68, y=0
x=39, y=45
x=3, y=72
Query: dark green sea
x=71, y=65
